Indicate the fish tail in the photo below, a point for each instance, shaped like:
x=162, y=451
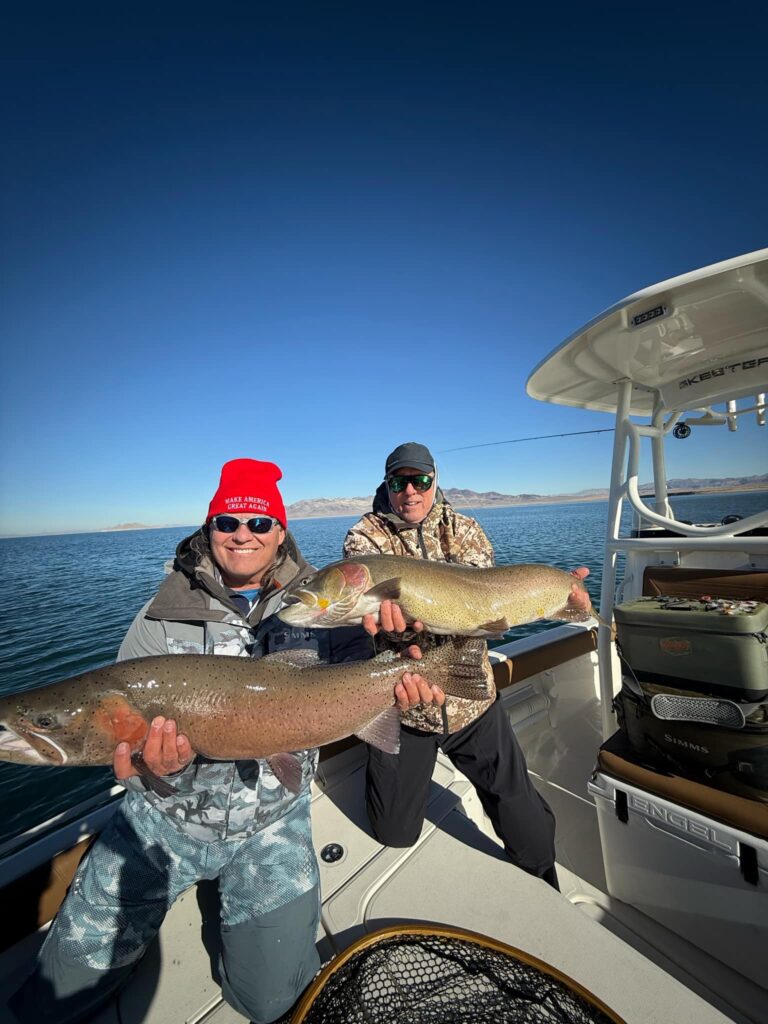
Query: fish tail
x=459, y=668
x=568, y=613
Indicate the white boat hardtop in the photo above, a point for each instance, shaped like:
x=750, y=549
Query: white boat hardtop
x=692, y=338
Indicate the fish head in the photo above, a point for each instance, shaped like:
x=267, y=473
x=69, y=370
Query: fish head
x=35, y=731
x=333, y=596
x=52, y=727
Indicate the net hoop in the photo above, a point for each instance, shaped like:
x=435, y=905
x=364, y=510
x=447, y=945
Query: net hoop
x=444, y=931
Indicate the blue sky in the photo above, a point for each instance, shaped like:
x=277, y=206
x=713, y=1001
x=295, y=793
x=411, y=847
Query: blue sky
x=307, y=235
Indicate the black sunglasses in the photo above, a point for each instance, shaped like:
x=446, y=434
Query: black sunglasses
x=420, y=481
x=231, y=524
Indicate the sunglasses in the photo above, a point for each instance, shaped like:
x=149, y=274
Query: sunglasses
x=420, y=481
x=231, y=524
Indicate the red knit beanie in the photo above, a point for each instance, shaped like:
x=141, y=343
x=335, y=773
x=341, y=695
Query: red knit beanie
x=248, y=486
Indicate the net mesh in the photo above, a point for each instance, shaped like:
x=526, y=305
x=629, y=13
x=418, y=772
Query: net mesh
x=442, y=979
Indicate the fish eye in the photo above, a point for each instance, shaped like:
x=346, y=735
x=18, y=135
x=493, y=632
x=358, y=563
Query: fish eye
x=44, y=721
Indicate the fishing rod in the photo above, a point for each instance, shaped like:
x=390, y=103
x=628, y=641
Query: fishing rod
x=518, y=440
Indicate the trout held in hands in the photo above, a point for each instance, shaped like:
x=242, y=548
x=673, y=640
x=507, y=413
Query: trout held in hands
x=229, y=708
x=450, y=599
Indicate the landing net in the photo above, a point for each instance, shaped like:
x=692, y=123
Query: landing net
x=440, y=975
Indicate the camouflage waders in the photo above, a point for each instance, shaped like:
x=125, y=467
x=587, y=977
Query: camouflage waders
x=139, y=866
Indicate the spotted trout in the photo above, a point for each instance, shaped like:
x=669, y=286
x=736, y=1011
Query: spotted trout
x=229, y=708
x=450, y=599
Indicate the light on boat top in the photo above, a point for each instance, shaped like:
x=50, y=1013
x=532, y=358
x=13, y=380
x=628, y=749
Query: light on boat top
x=693, y=340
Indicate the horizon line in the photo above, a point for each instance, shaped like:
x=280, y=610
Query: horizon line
x=557, y=499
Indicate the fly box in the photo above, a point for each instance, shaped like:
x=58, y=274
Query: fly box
x=712, y=646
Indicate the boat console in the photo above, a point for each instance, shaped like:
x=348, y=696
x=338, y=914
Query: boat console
x=681, y=784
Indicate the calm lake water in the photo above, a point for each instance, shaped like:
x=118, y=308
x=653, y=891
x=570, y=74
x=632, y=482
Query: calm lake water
x=67, y=601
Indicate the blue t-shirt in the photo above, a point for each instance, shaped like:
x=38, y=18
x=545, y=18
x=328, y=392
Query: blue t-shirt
x=245, y=599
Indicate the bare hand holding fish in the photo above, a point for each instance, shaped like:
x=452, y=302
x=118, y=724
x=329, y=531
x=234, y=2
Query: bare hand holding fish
x=165, y=752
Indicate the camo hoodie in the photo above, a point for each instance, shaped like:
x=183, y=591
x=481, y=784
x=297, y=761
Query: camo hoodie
x=193, y=613
x=444, y=535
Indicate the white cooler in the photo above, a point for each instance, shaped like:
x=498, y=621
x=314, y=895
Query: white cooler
x=701, y=879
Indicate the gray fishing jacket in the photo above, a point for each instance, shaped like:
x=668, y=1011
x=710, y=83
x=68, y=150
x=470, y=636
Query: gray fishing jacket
x=194, y=613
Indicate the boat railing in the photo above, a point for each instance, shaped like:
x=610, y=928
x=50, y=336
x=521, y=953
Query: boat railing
x=631, y=488
x=687, y=537
x=44, y=841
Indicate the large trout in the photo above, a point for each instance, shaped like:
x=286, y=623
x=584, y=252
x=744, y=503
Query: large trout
x=450, y=599
x=229, y=708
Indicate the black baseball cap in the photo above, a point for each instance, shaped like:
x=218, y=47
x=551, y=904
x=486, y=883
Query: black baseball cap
x=411, y=455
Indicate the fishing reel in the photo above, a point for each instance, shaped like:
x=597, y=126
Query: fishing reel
x=681, y=431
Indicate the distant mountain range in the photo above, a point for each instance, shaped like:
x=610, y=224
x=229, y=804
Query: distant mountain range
x=318, y=508
x=315, y=508
x=460, y=497
x=126, y=526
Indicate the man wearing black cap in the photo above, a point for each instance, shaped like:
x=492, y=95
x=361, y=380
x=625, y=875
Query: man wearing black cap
x=412, y=517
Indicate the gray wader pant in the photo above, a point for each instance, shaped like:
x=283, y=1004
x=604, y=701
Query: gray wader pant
x=269, y=893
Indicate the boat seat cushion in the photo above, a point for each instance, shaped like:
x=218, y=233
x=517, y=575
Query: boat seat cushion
x=679, y=581
x=617, y=759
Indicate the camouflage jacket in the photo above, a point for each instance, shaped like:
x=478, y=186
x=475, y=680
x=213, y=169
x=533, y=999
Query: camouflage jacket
x=444, y=535
x=194, y=613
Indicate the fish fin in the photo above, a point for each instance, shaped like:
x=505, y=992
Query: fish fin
x=388, y=590
x=570, y=614
x=383, y=732
x=387, y=656
x=301, y=658
x=154, y=782
x=459, y=667
x=287, y=770
x=495, y=628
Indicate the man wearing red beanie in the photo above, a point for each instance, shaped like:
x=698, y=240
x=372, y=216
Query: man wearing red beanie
x=226, y=819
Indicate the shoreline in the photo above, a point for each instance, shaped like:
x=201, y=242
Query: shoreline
x=562, y=499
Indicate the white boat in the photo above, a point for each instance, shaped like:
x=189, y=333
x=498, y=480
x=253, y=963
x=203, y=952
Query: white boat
x=663, y=914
